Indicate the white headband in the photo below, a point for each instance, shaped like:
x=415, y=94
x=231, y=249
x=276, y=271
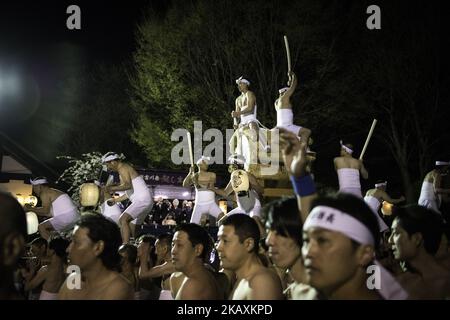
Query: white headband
x=283, y=90
x=350, y=151
x=443, y=163
x=110, y=156
x=381, y=184
x=241, y=79
x=237, y=159
x=204, y=159
x=38, y=181
x=332, y=219
x=336, y=220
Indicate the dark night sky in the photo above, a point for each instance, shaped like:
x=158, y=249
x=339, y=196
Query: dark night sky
x=32, y=32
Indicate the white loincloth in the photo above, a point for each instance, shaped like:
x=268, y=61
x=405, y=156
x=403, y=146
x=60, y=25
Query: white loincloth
x=64, y=213
x=48, y=295
x=205, y=202
x=254, y=211
x=428, y=198
x=141, y=200
x=112, y=212
x=285, y=120
x=349, y=181
x=165, y=295
x=374, y=204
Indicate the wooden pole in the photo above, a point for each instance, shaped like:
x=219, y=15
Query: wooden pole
x=288, y=53
x=368, y=139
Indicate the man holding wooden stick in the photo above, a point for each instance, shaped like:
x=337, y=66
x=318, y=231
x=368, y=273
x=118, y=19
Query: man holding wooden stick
x=348, y=170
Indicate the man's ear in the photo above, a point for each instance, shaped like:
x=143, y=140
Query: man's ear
x=99, y=246
x=417, y=239
x=249, y=244
x=13, y=247
x=198, y=249
x=365, y=255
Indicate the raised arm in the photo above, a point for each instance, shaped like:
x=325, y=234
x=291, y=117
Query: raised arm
x=292, y=83
x=363, y=171
x=188, y=181
x=295, y=161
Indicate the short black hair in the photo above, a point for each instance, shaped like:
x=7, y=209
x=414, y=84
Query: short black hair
x=131, y=252
x=59, y=245
x=103, y=229
x=166, y=238
x=355, y=207
x=418, y=219
x=283, y=216
x=40, y=242
x=244, y=227
x=198, y=235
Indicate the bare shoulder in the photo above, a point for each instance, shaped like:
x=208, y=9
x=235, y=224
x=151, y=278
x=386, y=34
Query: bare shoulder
x=192, y=289
x=119, y=288
x=266, y=284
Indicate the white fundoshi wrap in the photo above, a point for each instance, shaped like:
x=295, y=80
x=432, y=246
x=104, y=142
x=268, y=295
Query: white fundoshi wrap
x=350, y=151
x=335, y=220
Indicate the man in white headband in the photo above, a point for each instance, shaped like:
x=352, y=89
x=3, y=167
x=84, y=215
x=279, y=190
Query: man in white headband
x=205, y=199
x=348, y=170
x=415, y=239
x=56, y=205
x=246, y=110
x=134, y=184
x=246, y=188
x=374, y=198
x=431, y=186
x=285, y=116
x=340, y=238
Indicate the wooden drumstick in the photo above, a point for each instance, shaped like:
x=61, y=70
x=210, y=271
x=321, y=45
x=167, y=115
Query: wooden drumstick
x=191, y=156
x=288, y=53
x=368, y=139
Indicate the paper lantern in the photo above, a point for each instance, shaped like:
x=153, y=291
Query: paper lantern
x=89, y=194
x=32, y=222
x=239, y=181
x=32, y=201
x=386, y=208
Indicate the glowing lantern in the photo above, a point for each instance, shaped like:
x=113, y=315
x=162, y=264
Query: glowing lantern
x=32, y=201
x=32, y=222
x=20, y=199
x=386, y=208
x=89, y=194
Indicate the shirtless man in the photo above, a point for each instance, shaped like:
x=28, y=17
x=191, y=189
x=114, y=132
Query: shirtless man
x=205, y=200
x=191, y=248
x=94, y=249
x=141, y=198
x=164, y=267
x=348, y=170
x=128, y=254
x=246, y=110
x=416, y=235
x=247, y=194
x=374, y=198
x=56, y=205
x=284, y=239
x=285, y=116
x=431, y=186
x=238, y=243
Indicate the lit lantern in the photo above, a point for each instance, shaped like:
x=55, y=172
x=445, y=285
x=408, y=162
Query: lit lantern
x=386, y=208
x=223, y=205
x=32, y=222
x=89, y=194
x=20, y=199
x=32, y=201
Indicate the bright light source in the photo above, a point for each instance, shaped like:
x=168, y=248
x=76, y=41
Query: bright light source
x=186, y=193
